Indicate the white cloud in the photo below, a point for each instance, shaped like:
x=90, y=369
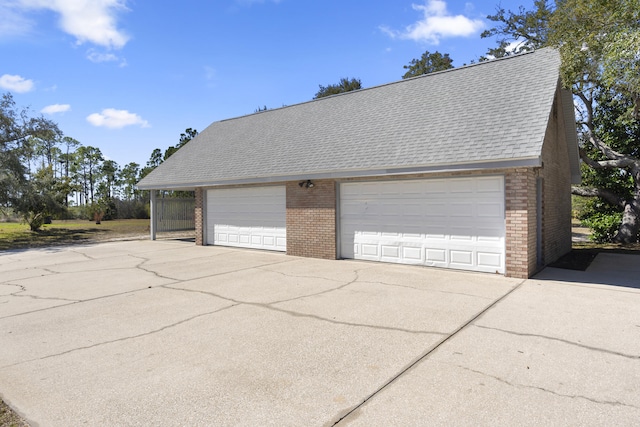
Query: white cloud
x=93, y=21
x=16, y=83
x=437, y=23
x=97, y=57
x=116, y=119
x=12, y=22
x=56, y=108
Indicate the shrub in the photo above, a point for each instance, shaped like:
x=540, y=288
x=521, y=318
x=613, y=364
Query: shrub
x=603, y=225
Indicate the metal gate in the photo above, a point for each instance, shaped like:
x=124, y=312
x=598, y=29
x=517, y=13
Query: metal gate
x=176, y=214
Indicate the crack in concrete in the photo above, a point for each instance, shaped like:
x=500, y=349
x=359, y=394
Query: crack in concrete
x=24, y=289
x=36, y=274
x=587, y=347
x=209, y=275
x=84, y=255
x=555, y=393
x=299, y=276
x=340, y=417
x=326, y=291
x=268, y=306
x=427, y=290
x=17, y=295
x=81, y=301
x=155, y=331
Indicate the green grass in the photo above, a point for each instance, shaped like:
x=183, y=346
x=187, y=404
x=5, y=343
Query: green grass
x=18, y=236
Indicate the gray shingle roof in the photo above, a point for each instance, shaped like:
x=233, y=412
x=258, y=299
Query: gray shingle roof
x=490, y=112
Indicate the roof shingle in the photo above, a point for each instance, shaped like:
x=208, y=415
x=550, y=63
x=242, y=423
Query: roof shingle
x=487, y=112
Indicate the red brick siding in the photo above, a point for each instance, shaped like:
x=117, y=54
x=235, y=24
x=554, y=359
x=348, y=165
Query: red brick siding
x=521, y=238
x=311, y=219
x=199, y=217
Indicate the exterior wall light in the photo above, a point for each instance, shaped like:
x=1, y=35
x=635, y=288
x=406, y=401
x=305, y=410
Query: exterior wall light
x=306, y=184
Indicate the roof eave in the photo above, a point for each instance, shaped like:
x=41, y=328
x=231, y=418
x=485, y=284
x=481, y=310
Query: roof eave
x=344, y=174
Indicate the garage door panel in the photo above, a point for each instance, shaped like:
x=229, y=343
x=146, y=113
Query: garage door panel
x=413, y=254
x=461, y=258
x=391, y=251
x=461, y=185
x=489, y=210
x=251, y=217
x=490, y=260
x=455, y=222
x=435, y=187
x=369, y=250
x=489, y=185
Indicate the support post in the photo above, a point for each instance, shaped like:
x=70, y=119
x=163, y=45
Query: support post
x=153, y=213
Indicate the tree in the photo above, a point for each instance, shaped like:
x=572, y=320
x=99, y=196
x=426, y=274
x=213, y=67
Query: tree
x=30, y=196
x=110, y=172
x=16, y=127
x=428, y=63
x=129, y=178
x=185, y=137
x=345, y=85
x=46, y=146
x=88, y=160
x=188, y=135
x=599, y=43
x=519, y=32
x=40, y=198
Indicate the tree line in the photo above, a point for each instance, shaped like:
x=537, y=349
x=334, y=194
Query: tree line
x=45, y=174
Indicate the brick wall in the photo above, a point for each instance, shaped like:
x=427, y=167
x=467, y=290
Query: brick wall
x=199, y=218
x=556, y=175
x=311, y=219
x=520, y=222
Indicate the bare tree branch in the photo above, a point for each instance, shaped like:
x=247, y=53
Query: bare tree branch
x=599, y=192
x=589, y=106
x=623, y=162
x=606, y=150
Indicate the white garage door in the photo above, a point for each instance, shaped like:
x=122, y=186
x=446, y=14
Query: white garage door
x=453, y=223
x=250, y=217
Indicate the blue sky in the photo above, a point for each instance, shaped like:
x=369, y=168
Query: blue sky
x=128, y=76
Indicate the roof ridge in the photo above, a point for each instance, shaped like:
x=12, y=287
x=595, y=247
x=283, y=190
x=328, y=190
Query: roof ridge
x=450, y=70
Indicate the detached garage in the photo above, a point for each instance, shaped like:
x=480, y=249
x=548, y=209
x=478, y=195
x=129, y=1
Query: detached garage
x=469, y=168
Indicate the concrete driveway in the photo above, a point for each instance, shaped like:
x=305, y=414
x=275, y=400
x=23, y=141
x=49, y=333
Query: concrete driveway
x=168, y=333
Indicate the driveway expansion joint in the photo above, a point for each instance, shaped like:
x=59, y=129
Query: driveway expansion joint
x=422, y=357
